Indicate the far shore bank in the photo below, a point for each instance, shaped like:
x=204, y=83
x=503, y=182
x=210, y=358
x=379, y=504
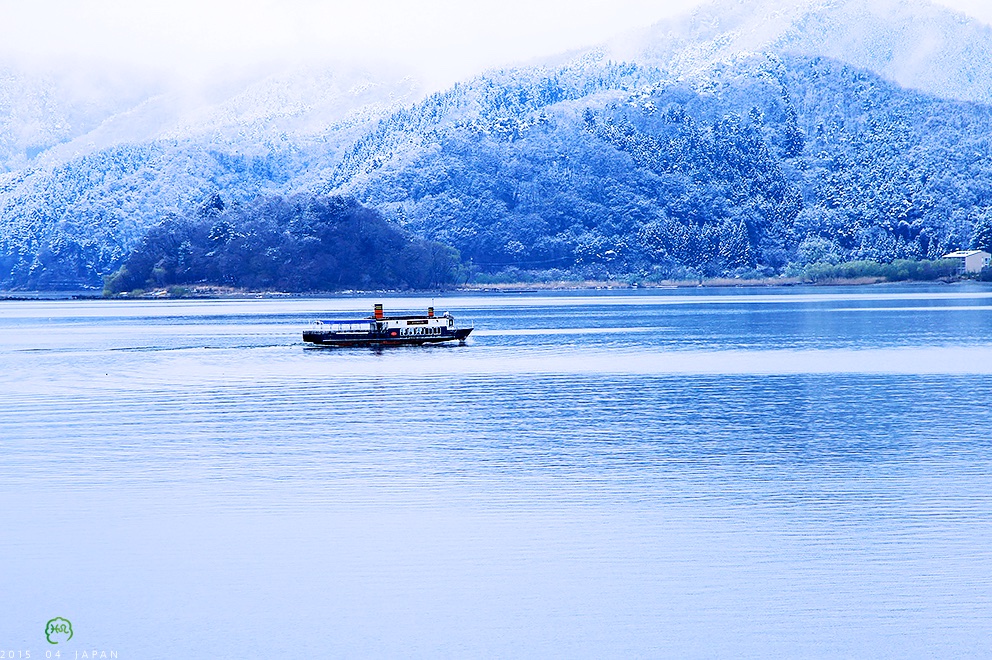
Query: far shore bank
x=220, y=292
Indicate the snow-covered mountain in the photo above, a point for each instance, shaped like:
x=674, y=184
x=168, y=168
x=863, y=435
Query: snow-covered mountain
x=89, y=161
x=48, y=117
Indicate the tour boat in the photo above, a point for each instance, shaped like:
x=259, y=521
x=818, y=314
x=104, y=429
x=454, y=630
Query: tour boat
x=386, y=330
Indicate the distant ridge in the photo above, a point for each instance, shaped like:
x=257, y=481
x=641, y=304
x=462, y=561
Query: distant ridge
x=49, y=117
x=914, y=43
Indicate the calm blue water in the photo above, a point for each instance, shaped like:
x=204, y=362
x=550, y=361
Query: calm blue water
x=801, y=473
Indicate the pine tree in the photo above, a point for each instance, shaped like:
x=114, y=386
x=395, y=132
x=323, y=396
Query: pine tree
x=981, y=232
x=735, y=249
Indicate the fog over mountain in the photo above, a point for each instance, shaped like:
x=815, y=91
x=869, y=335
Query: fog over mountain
x=509, y=167
x=913, y=43
x=54, y=116
x=41, y=107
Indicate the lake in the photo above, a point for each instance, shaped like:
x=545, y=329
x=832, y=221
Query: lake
x=798, y=472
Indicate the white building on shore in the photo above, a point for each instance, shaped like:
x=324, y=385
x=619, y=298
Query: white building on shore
x=972, y=261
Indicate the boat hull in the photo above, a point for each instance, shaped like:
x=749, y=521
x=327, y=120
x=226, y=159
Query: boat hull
x=319, y=338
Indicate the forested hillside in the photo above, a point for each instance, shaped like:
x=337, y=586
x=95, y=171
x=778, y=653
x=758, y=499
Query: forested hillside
x=771, y=162
x=80, y=221
x=72, y=212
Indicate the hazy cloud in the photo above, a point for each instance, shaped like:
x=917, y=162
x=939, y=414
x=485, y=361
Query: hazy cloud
x=442, y=40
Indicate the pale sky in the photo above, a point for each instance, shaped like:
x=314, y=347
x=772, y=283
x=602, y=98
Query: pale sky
x=441, y=40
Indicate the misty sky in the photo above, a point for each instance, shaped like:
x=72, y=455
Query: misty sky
x=441, y=40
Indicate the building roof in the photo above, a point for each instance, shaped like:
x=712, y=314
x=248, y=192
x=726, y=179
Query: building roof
x=961, y=254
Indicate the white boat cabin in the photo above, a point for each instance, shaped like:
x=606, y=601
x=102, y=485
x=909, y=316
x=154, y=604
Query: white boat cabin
x=418, y=325
x=393, y=326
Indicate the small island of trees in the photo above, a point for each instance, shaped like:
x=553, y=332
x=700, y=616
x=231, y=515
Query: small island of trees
x=296, y=243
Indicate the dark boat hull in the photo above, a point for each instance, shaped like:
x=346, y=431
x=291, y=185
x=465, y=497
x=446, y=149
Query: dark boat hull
x=382, y=338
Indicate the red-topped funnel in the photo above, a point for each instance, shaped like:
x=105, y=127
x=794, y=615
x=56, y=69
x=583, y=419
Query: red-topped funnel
x=378, y=311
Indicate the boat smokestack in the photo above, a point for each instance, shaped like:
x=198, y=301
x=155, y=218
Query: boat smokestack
x=430, y=312
x=378, y=311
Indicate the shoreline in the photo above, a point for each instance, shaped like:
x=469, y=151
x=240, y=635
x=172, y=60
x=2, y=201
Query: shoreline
x=208, y=292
